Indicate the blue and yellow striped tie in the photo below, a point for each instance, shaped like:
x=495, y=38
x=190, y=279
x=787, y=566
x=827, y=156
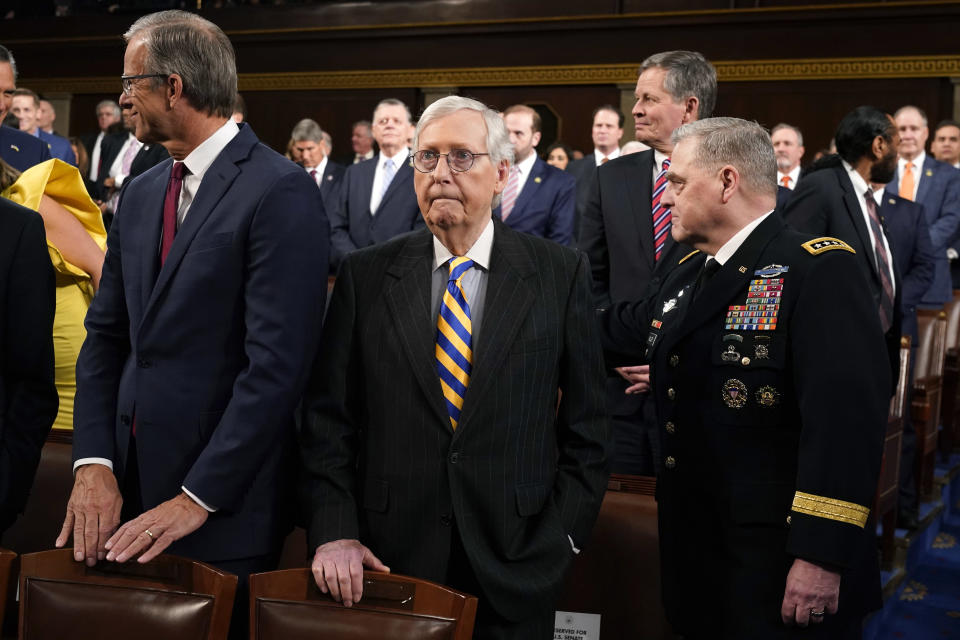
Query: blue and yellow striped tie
x=454, y=340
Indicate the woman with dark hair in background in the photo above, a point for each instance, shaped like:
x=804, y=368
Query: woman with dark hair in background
x=558, y=155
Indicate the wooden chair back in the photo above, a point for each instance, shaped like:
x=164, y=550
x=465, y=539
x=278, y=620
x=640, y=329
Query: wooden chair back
x=287, y=604
x=169, y=597
x=885, y=503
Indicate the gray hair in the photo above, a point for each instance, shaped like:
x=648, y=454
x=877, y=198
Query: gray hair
x=195, y=49
x=108, y=103
x=498, y=143
x=910, y=107
x=741, y=143
x=392, y=102
x=307, y=130
x=688, y=74
x=796, y=130
x=7, y=56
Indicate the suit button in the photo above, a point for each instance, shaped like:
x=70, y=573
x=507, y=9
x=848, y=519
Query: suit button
x=124, y=419
x=671, y=462
x=143, y=364
x=788, y=520
x=454, y=458
x=671, y=428
x=674, y=360
x=445, y=520
x=745, y=361
x=671, y=393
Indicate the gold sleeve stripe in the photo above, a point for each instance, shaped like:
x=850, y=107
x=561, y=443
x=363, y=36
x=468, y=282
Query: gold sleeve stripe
x=688, y=256
x=831, y=509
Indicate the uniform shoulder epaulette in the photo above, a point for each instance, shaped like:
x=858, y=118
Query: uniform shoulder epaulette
x=688, y=256
x=819, y=245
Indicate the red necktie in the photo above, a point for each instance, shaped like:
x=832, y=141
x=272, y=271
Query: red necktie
x=661, y=215
x=170, y=202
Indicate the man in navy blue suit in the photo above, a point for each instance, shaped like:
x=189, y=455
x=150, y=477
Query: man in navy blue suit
x=18, y=149
x=538, y=199
x=935, y=185
x=377, y=201
x=203, y=330
x=26, y=106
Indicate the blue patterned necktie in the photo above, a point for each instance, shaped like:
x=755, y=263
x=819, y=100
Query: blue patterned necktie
x=388, y=172
x=454, y=349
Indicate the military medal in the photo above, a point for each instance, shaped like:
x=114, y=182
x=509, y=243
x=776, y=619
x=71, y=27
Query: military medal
x=734, y=393
x=730, y=355
x=771, y=271
x=761, y=351
x=759, y=311
x=669, y=305
x=767, y=396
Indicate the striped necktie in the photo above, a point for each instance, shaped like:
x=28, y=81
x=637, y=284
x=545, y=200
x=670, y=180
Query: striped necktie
x=661, y=215
x=454, y=349
x=510, y=193
x=882, y=263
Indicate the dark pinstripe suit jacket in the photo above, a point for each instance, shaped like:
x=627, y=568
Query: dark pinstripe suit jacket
x=517, y=476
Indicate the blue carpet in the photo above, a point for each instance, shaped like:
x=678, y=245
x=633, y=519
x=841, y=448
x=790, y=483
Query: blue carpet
x=927, y=606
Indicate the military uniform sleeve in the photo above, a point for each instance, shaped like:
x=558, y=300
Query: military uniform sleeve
x=842, y=385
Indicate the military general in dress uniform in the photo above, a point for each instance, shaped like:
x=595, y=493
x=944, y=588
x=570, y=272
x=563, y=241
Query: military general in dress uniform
x=769, y=370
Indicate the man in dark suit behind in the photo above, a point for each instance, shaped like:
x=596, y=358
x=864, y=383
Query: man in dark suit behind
x=307, y=139
x=29, y=397
x=377, y=201
x=606, y=132
x=618, y=225
x=538, y=199
x=195, y=358
x=18, y=149
x=437, y=379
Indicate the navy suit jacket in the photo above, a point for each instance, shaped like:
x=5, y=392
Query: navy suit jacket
x=21, y=150
x=545, y=207
x=939, y=193
x=330, y=184
x=913, y=255
x=59, y=146
x=211, y=350
x=352, y=226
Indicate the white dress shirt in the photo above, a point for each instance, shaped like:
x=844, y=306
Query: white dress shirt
x=95, y=158
x=320, y=168
x=116, y=169
x=598, y=155
x=793, y=176
x=198, y=161
x=658, y=158
x=376, y=193
x=730, y=247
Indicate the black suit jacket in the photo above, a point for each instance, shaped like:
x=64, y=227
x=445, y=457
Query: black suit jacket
x=147, y=157
x=518, y=475
x=28, y=397
x=352, y=226
x=913, y=254
x=584, y=171
x=824, y=204
x=773, y=438
x=330, y=184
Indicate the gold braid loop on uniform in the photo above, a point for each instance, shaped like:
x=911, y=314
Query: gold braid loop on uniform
x=819, y=245
x=831, y=509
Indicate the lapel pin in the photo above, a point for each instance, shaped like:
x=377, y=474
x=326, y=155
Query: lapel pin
x=329, y=178
x=743, y=269
x=929, y=173
x=892, y=201
x=537, y=179
x=15, y=148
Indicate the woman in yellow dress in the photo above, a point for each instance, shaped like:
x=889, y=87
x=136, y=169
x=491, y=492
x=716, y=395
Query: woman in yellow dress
x=76, y=241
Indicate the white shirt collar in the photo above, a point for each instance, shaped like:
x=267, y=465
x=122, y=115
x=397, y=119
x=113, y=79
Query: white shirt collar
x=398, y=159
x=916, y=162
x=320, y=168
x=860, y=185
x=598, y=155
x=730, y=246
x=658, y=157
x=200, y=159
x=479, y=252
x=794, y=176
x=526, y=165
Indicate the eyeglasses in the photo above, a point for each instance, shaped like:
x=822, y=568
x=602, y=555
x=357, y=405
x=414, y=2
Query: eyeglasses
x=127, y=81
x=458, y=160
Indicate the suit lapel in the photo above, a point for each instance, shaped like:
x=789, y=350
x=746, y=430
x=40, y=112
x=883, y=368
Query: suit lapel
x=409, y=300
x=395, y=184
x=926, y=181
x=731, y=280
x=639, y=181
x=509, y=297
x=364, y=185
x=851, y=201
x=530, y=187
x=151, y=220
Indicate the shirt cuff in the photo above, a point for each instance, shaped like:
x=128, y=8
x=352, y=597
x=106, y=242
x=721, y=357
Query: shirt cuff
x=573, y=546
x=82, y=461
x=198, y=500
x=118, y=180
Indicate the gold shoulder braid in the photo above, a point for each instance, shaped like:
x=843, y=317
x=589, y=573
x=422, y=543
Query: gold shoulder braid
x=688, y=256
x=819, y=245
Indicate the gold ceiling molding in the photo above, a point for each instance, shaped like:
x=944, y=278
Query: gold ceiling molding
x=727, y=71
